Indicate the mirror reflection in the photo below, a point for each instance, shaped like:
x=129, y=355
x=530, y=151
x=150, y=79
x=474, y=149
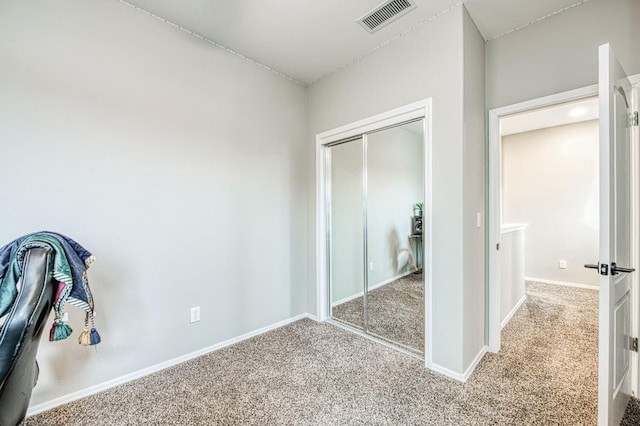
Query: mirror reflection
x=395, y=191
x=346, y=232
x=376, y=192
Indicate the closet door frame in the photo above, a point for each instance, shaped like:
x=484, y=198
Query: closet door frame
x=416, y=110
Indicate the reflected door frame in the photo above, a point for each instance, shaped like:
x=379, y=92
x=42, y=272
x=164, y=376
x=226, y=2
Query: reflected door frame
x=416, y=110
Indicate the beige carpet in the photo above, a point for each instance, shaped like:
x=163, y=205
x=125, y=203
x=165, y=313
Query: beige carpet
x=396, y=311
x=318, y=374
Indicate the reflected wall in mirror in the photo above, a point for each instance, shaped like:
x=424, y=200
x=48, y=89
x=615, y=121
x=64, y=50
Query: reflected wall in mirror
x=395, y=185
x=346, y=225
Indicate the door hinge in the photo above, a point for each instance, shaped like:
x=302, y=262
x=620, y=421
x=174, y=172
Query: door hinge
x=634, y=344
x=634, y=119
x=498, y=246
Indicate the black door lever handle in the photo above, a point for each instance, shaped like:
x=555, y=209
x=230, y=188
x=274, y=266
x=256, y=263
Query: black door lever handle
x=615, y=269
x=591, y=266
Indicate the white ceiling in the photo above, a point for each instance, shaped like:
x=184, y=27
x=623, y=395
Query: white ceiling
x=557, y=115
x=308, y=39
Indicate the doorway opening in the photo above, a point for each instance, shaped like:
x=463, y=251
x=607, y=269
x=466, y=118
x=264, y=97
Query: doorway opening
x=547, y=219
x=531, y=157
x=549, y=201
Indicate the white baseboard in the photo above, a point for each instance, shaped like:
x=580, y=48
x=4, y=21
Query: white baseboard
x=513, y=311
x=155, y=368
x=311, y=317
x=469, y=371
x=461, y=377
x=578, y=285
x=446, y=372
x=373, y=287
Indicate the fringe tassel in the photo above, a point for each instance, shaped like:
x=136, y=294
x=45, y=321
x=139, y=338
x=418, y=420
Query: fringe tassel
x=89, y=338
x=94, y=337
x=59, y=331
x=85, y=338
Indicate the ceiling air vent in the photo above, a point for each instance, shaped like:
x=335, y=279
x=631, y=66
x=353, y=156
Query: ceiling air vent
x=386, y=13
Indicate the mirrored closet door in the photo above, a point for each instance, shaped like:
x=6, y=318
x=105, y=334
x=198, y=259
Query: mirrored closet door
x=376, y=197
x=346, y=232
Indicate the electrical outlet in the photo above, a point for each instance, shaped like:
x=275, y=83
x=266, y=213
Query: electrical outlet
x=478, y=220
x=371, y=266
x=195, y=314
x=562, y=264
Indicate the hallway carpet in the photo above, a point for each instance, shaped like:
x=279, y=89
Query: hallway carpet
x=317, y=374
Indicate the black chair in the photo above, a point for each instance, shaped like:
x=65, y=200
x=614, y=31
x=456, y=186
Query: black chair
x=20, y=334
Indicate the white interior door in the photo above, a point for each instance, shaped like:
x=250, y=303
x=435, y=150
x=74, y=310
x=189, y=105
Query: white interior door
x=614, y=386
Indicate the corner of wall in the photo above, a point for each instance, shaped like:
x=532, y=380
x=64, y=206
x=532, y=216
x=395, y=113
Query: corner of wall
x=474, y=160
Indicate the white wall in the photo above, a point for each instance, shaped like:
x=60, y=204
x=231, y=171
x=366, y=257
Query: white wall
x=428, y=62
x=550, y=182
x=560, y=53
x=180, y=166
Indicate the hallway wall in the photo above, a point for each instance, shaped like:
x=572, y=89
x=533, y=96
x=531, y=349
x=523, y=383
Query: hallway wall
x=550, y=182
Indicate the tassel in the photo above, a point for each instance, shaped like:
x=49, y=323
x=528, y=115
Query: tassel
x=52, y=332
x=85, y=338
x=94, y=337
x=59, y=331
